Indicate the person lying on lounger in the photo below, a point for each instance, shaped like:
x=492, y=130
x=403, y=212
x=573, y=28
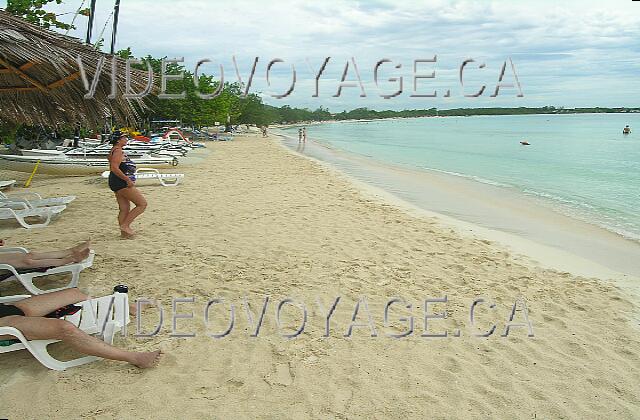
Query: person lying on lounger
x=46, y=259
x=32, y=316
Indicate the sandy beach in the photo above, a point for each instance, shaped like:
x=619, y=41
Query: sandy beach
x=254, y=220
x=528, y=227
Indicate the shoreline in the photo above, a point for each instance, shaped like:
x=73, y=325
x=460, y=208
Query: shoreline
x=253, y=219
x=539, y=249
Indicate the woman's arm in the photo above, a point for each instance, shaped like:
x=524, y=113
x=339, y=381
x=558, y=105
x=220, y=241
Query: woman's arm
x=114, y=165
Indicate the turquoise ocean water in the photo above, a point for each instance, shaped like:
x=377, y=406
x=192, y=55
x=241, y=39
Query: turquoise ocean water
x=581, y=165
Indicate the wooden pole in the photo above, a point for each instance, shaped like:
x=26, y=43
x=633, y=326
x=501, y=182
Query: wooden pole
x=92, y=10
x=23, y=75
x=114, y=32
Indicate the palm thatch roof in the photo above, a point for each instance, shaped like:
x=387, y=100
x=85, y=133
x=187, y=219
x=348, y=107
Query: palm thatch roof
x=40, y=80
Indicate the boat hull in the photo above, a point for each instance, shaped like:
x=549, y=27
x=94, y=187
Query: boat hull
x=42, y=153
x=75, y=167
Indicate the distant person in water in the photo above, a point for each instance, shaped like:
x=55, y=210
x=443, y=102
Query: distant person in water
x=304, y=134
x=122, y=183
x=299, y=135
x=47, y=258
x=626, y=130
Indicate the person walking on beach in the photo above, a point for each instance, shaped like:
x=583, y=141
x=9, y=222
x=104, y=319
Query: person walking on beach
x=299, y=135
x=122, y=183
x=304, y=134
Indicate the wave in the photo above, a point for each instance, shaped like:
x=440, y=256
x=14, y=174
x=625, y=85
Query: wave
x=588, y=213
x=466, y=176
x=580, y=210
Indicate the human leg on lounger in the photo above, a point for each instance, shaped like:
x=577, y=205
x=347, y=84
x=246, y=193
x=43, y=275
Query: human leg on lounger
x=35, y=327
x=46, y=259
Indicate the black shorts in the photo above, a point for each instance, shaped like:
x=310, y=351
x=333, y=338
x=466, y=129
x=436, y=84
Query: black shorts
x=116, y=183
x=8, y=310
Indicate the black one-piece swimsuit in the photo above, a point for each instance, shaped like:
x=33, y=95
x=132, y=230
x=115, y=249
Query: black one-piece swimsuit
x=8, y=310
x=128, y=168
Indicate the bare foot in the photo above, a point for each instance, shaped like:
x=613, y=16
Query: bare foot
x=125, y=235
x=82, y=246
x=80, y=255
x=147, y=359
x=126, y=231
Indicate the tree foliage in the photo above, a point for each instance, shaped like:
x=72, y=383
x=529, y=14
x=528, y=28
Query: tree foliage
x=33, y=11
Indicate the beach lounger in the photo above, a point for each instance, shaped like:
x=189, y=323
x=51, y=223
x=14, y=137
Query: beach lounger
x=7, y=184
x=26, y=276
x=167, y=180
x=102, y=317
x=33, y=200
x=44, y=213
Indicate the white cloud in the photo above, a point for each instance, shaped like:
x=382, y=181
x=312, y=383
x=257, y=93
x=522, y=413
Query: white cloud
x=567, y=53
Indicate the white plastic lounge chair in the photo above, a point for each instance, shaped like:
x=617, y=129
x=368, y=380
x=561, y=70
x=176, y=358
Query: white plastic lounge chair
x=33, y=200
x=101, y=316
x=7, y=184
x=167, y=180
x=26, y=278
x=44, y=213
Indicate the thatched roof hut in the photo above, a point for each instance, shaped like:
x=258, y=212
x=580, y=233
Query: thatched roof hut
x=40, y=80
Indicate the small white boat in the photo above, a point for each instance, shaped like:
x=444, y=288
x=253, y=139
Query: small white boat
x=102, y=151
x=67, y=166
x=42, y=153
x=79, y=153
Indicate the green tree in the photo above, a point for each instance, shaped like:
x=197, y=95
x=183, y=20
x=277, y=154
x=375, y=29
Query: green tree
x=33, y=11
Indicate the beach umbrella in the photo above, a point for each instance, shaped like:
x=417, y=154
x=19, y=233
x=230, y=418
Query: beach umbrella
x=40, y=80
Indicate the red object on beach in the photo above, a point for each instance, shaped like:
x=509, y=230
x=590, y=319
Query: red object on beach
x=142, y=138
x=174, y=130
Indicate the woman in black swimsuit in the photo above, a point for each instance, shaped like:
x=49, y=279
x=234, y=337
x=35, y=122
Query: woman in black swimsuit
x=36, y=317
x=122, y=183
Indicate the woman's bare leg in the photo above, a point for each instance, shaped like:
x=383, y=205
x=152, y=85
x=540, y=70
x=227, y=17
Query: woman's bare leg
x=38, y=328
x=15, y=259
x=40, y=255
x=20, y=260
x=124, y=206
x=75, y=257
x=135, y=196
x=34, y=327
x=42, y=305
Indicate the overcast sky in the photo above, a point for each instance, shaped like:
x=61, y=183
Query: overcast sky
x=565, y=53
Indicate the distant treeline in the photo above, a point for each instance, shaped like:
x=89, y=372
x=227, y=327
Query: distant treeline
x=287, y=114
x=231, y=106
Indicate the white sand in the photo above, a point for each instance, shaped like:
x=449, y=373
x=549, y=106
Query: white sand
x=524, y=225
x=255, y=220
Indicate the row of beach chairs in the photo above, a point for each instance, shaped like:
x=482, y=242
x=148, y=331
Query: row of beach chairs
x=102, y=317
x=24, y=207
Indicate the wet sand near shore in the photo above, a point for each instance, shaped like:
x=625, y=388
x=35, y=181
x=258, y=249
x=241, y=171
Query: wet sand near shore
x=254, y=220
x=520, y=222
